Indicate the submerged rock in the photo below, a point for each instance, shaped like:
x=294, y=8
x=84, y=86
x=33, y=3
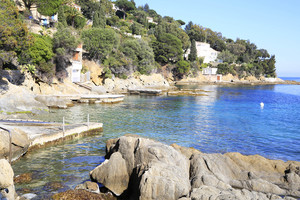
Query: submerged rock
x=146, y=169
x=82, y=195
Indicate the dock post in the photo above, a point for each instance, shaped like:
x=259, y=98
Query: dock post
x=63, y=126
x=88, y=121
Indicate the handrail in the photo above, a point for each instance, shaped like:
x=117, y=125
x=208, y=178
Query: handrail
x=10, y=140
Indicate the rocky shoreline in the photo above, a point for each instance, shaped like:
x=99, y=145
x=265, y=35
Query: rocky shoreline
x=141, y=168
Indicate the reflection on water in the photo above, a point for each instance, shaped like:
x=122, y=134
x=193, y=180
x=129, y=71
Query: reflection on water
x=227, y=119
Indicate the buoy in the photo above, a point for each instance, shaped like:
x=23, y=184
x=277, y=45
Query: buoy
x=262, y=104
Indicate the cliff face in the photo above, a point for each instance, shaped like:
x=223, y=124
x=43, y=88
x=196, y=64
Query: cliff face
x=140, y=168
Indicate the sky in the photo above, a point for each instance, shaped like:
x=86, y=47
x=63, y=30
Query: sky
x=270, y=24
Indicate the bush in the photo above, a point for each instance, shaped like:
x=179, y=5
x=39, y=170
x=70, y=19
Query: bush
x=100, y=42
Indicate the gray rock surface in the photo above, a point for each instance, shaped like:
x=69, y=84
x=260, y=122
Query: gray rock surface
x=7, y=188
x=53, y=101
x=20, y=143
x=113, y=174
x=159, y=171
x=18, y=99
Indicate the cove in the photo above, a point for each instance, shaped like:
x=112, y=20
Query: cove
x=227, y=119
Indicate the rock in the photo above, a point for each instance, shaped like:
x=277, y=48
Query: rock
x=99, y=89
x=153, y=170
x=53, y=101
x=29, y=196
x=163, y=181
x=23, y=178
x=292, y=177
x=82, y=195
x=18, y=99
x=112, y=174
x=95, y=70
x=7, y=188
x=20, y=143
x=159, y=170
x=89, y=186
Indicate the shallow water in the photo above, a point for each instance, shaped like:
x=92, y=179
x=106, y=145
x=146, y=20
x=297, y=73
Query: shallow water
x=227, y=119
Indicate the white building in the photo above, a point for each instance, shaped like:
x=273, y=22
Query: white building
x=204, y=50
x=211, y=73
x=75, y=69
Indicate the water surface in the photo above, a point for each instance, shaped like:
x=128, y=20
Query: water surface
x=227, y=119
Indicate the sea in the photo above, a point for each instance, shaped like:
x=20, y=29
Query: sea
x=224, y=119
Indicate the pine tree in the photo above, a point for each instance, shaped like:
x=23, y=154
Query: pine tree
x=193, y=52
x=99, y=19
x=62, y=17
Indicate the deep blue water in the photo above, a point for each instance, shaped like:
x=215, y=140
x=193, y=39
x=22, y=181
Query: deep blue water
x=228, y=119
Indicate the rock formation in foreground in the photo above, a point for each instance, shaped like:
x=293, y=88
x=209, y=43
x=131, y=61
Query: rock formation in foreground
x=7, y=188
x=140, y=168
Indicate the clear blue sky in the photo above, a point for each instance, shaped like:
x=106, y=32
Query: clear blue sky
x=270, y=24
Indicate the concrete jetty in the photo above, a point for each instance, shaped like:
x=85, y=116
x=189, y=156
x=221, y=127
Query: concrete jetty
x=108, y=98
x=27, y=135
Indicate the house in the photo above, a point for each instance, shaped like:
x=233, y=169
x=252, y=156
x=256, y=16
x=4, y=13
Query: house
x=204, y=50
x=74, y=5
x=211, y=74
x=75, y=69
x=150, y=20
x=35, y=15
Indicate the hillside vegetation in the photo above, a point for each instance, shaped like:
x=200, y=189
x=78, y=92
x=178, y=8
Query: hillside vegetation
x=128, y=40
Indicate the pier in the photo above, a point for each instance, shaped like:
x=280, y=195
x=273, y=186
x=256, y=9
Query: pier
x=23, y=136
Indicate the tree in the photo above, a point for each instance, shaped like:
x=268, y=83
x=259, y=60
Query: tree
x=74, y=17
x=227, y=57
x=48, y=8
x=167, y=48
x=61, y=16
x=100, y=42
x=270, y=71
x=14, y=37
x=88, y=8
x=99, y=19
x=182, y=23
x=125, y=6
x=64, y=41
x=41, y=53
x=146, y=7
x=27, y=3
x=188, y=27
x=140, y=53
x=193, y=53
x=182, y=68
x=136, y=28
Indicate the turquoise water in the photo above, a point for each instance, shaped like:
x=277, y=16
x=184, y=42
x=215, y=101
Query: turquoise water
x=227, y=119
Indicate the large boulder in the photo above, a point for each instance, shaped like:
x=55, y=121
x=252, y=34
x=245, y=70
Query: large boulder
x=140, y=168
x=155, y=170
x=7, y=188
x=20, y=143
x=113, y=174
x=20, y=99
x=53, y=101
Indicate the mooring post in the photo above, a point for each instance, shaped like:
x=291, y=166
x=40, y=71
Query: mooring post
x=64, y=126
x=88, y=121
